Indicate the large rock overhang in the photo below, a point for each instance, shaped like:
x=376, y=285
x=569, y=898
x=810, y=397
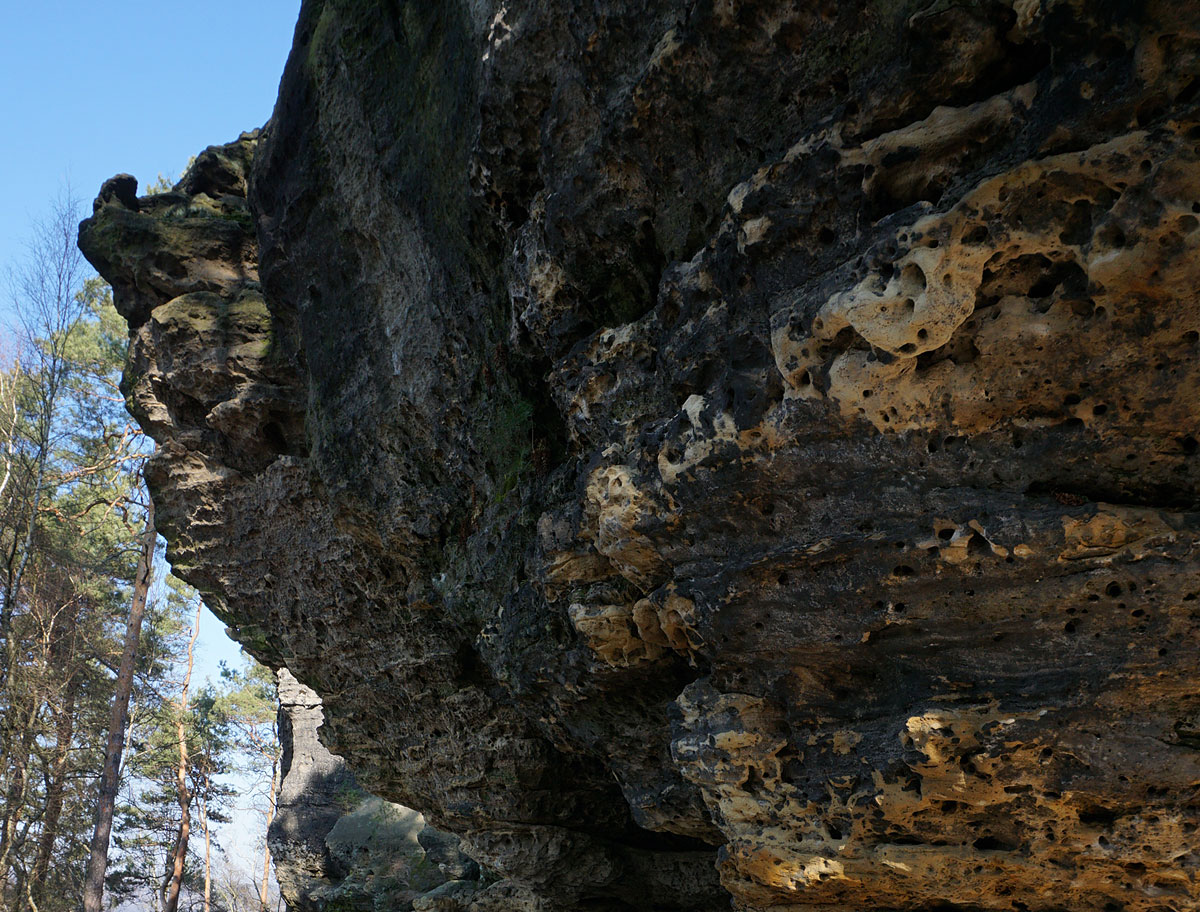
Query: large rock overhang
x=732, y=434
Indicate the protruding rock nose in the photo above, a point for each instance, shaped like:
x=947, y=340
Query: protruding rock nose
x=118, y=190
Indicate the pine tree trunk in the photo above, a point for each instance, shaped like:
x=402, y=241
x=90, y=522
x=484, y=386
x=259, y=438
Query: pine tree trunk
x=55, y=789
x=93, y=892
x=174, y=882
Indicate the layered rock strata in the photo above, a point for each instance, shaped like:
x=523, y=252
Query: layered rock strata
x=704, y=452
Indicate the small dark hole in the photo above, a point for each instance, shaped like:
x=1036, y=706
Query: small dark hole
x=1097, y=816
x=989, y=844
x=275, y=440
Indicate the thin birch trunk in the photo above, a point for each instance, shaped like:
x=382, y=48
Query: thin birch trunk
x=14, y=799
x=207, y=852
x=8, y=397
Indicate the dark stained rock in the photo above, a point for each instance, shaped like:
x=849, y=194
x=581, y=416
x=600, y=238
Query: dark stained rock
x=738, y=449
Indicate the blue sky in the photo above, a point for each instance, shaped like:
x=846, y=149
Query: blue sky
x=88, y=90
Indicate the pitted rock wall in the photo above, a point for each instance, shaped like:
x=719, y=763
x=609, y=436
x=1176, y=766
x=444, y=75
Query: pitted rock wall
x=735, y=451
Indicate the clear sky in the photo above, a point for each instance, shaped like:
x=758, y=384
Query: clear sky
x=91, y=89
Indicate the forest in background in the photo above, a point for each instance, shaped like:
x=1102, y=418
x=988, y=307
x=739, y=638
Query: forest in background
x=117, y=767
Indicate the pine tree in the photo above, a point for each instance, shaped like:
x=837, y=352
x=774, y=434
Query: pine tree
x=109, y=761
x=72, y=512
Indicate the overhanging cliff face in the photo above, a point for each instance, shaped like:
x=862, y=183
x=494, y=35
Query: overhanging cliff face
x=682, y=441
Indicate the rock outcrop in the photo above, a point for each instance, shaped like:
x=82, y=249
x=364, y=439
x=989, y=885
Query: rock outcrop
x=704, y=452
x=336, y=847
x=316, y=789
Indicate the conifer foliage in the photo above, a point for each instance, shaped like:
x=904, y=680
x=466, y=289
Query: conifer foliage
x=79, y=564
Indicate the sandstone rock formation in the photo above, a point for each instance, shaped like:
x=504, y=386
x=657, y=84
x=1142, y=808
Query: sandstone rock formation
x=314, y=792
x=738, y=451
x=335, y=847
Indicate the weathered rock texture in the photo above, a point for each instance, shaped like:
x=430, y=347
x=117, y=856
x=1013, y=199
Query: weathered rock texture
x=315, y=792
x=709, y=450
x=335, y=847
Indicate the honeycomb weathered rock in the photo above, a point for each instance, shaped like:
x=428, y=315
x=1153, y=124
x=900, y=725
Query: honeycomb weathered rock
x=744, y=438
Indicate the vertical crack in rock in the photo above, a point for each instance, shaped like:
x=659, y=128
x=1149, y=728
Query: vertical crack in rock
x=715, y=452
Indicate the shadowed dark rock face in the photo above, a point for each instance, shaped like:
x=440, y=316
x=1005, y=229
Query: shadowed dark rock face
x=740, y=449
